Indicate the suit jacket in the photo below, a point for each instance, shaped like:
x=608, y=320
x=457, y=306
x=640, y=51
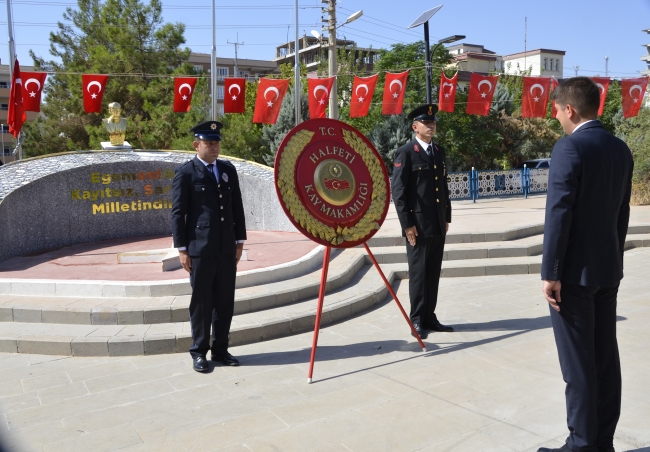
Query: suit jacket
x=207, y=216
x=420, y=190
x=587, y=208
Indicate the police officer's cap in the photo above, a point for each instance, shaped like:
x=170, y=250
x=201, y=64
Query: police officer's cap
x=424, y=113
x=208, y=131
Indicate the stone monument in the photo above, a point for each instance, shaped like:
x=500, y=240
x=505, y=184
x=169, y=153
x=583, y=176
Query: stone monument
x=116, y=127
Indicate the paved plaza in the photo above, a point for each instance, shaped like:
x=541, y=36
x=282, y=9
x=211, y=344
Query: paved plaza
x=493, y=385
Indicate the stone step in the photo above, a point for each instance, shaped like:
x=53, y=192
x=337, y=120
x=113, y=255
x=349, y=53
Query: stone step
x=364, y=291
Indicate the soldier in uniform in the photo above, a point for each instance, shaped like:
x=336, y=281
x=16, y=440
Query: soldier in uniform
x=421, y=198
x=209, y=232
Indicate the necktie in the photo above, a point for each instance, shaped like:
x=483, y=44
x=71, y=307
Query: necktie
x=430, y=150
x=211, y=171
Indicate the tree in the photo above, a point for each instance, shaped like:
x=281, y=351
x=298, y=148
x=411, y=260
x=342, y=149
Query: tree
x=273, y=135
x=123, y=37
x=389, y=136
x=636, y=133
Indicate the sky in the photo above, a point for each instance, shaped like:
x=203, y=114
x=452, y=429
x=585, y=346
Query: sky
x=588, y=30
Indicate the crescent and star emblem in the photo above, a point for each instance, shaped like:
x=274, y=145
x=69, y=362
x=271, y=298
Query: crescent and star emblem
x=99, y=85
x=356, y=91
x=321, y=88
x=33, y=80
x=633, y=88
x=234, y=85
x=275, y=90
x=396, y=93
x=532, y=88
x=447, y=84
x=487, y=82
x=180, y=89
x=602, y=88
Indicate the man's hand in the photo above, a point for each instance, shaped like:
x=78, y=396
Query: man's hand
x=411, y=234
x=447, y=230
x=238, y=251
x=551, y=291
x=186, y=262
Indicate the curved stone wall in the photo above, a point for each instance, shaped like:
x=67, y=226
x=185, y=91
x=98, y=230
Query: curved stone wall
x=56, y=201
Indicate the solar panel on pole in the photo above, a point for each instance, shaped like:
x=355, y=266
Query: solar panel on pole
x=425, y=16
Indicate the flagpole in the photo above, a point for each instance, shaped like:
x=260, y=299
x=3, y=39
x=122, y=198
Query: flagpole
x=297, y=91
x=213, y=65
x=12, y=50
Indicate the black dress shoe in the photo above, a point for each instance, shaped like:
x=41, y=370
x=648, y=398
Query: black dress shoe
x=225, y=358
x=437, y=326
x=564, y=448
x=421, y=331
x=200, y=364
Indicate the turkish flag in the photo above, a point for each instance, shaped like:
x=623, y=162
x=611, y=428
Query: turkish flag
x=234, y=100
x=534, y=98
x=633, y=91
x=481, y=92
x=319, y=95
x=93, y=89
x=554, y=84
x=363, y=88
x=16, y=115
x=32, y=89
x=447, y=93
x=603, y=86
x=183, y=90
x=394, y=89
x=270, y=93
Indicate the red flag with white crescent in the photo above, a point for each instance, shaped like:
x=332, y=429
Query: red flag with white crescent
x=16, y=115
x=270, y=93
x=319, y=95
x=481, y=92
x=554, y=84
x=93, y=89
x=534, y=98
x=363, y=88
x=33, y=83
x=394, y=89
x=633, y=90
x=183, y=91
x=234, y=100
x=603, y=85
x=447, y=93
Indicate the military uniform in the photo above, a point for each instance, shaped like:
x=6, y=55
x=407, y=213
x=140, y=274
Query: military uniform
x=421, y=198
x=208, y=221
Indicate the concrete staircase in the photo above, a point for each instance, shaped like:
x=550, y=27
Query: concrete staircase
x=51, y=317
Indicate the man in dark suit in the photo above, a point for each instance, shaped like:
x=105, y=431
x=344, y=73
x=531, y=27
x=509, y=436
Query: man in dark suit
x=587, y=214
x=209, y=232
x=421, y=198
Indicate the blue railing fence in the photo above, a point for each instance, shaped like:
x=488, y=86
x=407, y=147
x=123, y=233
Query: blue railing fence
x=477, y=184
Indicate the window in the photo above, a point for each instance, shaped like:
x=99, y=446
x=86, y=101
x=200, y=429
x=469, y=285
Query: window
x=545, y=63
x=4, y=84
x=220, y=109
x=220, y=92
x=557, y=65
x=8, y=150
x=4, y=106
x=4, y=128
x=222, y=72
x=198, y=68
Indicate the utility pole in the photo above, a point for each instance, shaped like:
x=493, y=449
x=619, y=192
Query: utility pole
x=331, y=56
x=607, y=66
x=525, y=39
x=297, y=90
x=575, y=68
x=236, y=44
x=213, y=65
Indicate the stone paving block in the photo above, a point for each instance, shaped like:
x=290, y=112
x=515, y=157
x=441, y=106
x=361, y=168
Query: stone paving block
x=275, y=328
x=183, y=342
x=90, y=346
x=45, y=345
x=512, y=269
x=535, y=268
x=130, y=316
x=112, y=290
x=303, y=322
x=103, y=316
x=161, y=290
x=458, y=272
x=246, y=335
x=126, y=346
x=180, y=314
x=157, y=314
x=27, y=314
x=137, y=290
x=159, y=344
x=181, y=287
x=503, y=251
x=6, y=314
x=64, y=314
x=5, y=286
x=78, y=289
x=33, y=287
x=8, y=345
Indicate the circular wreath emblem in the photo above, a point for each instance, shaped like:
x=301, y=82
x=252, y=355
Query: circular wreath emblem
x=332, y=183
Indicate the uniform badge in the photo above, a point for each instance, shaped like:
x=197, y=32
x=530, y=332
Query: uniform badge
x=213, y=126
x=225, y=177
x=415, y=148
x=397, y=165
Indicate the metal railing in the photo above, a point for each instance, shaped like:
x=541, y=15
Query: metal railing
x=476, y=184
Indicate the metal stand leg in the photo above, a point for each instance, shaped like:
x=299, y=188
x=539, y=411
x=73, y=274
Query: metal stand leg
x=394, y=295
x=319, y=311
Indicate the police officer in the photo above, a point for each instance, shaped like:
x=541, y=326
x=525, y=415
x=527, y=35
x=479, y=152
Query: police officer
x=421, y=198
x=209, y=232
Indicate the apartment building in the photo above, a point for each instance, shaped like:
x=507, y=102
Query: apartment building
x=542, y=62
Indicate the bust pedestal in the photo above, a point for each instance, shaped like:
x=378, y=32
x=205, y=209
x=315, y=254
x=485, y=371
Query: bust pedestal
x=107, y=146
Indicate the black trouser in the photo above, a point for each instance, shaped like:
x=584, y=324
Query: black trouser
x=585, y=334
x=425, y=262
x=213, y=301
